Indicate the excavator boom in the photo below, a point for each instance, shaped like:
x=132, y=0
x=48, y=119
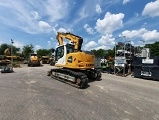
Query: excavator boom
x=7, y=52
x=75, y=40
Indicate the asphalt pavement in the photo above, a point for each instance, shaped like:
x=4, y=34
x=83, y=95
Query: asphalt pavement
x=29, y=94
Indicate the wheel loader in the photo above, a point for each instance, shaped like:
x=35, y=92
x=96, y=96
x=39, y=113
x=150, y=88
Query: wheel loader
x=33, y=60
x=45, y=59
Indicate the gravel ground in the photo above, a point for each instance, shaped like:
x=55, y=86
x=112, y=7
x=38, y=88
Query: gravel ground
x=29, y=94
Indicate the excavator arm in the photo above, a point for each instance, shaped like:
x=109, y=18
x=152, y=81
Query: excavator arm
x=7, y=52
x=75, y=40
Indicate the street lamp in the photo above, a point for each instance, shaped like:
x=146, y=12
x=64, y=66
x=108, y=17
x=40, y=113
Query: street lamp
x=12, y=52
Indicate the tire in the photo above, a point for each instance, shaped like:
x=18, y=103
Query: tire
x=99, y=75
x=82, y=83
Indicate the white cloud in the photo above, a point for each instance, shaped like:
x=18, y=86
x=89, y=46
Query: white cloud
x=35, y=14
x=62, y=30
x=57, y=28
x=49, y=43
x=109, y=23
x=151, y=36
x=106, y=40
x=132, y=43
x=125, y=1
x=83, y=13
x=18, y=16
x=37, y=47
x=89, y=29
x=18, y=44
x=56, y=9
x=52, y=38
x=22, y=14
x=136, y=14
x=144, y=34
x=88, y=9
x=54, y=30
x=98, y=9
x=102, y=47
x=151, y=9
x=44, y=25
x=90, y=45
x=133, y=33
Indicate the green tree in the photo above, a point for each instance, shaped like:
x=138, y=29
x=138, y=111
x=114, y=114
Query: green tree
x=27, y=50
x=15, y=50
x=43, y=52
x=154, y=48
x=110, y=53
x=99, y=52
x=2, y=48
x=5, y=46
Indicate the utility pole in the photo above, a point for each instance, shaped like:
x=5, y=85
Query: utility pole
x=12, y=52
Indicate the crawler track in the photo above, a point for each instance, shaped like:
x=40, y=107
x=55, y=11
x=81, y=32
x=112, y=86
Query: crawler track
x=76, y=79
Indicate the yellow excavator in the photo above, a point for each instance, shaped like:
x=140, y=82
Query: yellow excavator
x=3, y=58
x=7, y=52
x=73, y=65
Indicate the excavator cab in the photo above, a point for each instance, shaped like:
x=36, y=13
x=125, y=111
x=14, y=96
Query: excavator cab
x=61, y=52
x=67, y=57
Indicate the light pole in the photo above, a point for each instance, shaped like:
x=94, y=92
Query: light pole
x=12, y=52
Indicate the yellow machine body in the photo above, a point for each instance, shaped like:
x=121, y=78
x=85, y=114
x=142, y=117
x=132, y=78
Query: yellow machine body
x=70, y=55
x=78, y=60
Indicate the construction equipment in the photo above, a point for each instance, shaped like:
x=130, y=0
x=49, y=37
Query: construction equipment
x=33, y=60
x=45, y=59
x=103, y=65
x=3, y=60
x=7, y=51
x=107, y=64
x=76, y=67
x=8, y=55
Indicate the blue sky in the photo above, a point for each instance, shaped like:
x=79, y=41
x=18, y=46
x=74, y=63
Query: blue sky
x=99, y=22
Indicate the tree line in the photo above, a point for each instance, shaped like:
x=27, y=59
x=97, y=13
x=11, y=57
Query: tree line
x=154, y=49
x=26, y=50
